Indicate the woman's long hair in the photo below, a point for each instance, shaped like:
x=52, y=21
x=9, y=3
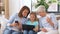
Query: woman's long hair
x=22, y=9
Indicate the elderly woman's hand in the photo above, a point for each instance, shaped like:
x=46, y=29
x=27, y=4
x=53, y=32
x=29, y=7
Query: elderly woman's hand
x=43, y=29
x=49, y=21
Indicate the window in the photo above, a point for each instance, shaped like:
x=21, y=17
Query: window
x=50, y=5
x=1, y=6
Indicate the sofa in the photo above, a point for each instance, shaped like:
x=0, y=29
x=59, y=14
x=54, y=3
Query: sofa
x=4, y=22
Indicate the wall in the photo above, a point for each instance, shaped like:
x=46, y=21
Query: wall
x=13, y=6
x=16, y=5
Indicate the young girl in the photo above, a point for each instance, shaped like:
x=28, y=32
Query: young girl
x=32, y=21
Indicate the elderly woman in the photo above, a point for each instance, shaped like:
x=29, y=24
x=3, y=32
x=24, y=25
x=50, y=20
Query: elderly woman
x=15, y=22
x=48, y=23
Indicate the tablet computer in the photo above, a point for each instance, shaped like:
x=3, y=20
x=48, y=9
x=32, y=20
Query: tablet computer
x=27, y=27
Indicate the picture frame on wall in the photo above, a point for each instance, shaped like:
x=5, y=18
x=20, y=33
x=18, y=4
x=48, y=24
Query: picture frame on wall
x=52, y=6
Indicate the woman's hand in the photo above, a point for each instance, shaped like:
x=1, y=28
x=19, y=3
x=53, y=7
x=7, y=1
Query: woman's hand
x=19, y=26
x=43, y=29
x=13, y=24
x=50, y=22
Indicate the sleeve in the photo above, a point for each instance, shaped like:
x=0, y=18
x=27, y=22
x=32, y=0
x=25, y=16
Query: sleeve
x=10, y=21
x=26, y=20
x=39, y=24
x=54, y=20
x=36, y=24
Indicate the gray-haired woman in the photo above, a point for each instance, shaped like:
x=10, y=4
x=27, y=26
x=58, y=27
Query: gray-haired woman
x=48, y=23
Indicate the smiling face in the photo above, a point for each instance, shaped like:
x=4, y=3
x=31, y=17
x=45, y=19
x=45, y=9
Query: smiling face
x=42, y=11
x=32, y=17
x=25, y=13
x=42, y=14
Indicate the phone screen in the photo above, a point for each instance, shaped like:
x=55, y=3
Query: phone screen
x=16, y=21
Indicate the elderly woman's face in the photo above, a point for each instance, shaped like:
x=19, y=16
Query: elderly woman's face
x=25, y=12
x=42, y=13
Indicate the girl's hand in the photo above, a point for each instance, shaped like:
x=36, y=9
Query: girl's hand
x=36, y=29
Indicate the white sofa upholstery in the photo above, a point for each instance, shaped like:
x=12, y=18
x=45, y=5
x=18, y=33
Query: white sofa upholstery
x=3, y=24
x=59, y=26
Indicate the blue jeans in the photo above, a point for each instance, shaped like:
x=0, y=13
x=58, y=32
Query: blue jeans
x=11, y=32
x=17, y=32
x=29, y=32
x=7, y=32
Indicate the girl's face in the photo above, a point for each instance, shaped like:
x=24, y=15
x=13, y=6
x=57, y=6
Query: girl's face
x=32, y=17
x=25, y=12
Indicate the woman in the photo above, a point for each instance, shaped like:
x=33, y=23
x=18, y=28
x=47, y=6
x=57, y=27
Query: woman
x=33, y=21
x=48, y=23
x=20, y=18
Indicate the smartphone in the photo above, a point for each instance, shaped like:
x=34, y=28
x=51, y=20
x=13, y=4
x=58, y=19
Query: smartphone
x=16, y=21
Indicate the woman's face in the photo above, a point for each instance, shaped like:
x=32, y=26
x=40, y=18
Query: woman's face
x=25, y=12
x=32, y=17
